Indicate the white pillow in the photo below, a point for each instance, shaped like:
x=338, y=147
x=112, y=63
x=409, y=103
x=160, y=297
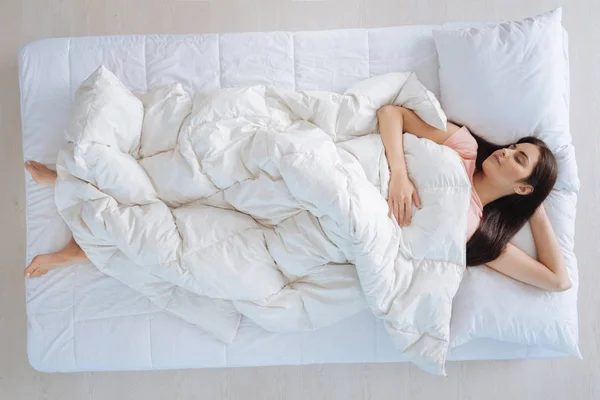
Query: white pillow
x=105, y=111
x=490, y=305
x=106, y=120
x=506, y=81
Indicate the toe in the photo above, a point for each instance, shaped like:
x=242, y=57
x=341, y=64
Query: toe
x=37, y=273
x=34, y=266
x=30, y=270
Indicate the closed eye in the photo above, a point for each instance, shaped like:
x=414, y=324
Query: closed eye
x=521, y=155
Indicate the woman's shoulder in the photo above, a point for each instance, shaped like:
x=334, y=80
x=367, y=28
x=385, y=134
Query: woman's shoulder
x=462, y=141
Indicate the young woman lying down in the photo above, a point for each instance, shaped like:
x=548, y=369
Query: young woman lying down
x=509, y=185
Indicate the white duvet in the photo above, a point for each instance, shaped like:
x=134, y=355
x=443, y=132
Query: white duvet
x=267, y=203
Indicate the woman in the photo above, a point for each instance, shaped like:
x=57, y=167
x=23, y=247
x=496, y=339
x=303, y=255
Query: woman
x=509, y=186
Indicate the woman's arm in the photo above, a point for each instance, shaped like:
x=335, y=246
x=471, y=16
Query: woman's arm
x=549, y=272
x=406, y=120
x=393, y=122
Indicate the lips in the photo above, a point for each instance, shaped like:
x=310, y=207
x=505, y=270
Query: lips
x=497, y=158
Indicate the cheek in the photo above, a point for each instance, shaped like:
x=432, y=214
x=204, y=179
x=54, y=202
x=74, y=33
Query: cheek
x=507, y=172
x=515, y=172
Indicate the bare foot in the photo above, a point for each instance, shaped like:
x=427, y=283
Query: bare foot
x=40, y=173
x=41, y=264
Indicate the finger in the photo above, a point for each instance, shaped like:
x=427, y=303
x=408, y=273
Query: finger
x=399, y=212
x=407, y=211
x=390, y=207
x=417, y=200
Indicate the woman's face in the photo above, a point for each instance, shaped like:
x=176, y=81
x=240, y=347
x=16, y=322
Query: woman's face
x=510, y=166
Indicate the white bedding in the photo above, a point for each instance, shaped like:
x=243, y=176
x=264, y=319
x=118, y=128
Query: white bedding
x=267, y=203
x=80, y=319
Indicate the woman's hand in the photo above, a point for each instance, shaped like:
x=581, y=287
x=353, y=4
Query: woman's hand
x=401, y=194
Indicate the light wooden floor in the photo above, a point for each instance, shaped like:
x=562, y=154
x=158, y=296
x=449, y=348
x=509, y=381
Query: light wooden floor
x=26, y=20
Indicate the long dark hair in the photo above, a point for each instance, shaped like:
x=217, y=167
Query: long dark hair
x=504, y=217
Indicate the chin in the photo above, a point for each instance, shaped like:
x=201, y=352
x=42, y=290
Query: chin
x=490, y=169
x=488, y=165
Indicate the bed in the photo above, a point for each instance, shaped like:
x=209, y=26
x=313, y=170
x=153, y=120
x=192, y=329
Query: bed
x=81, y=320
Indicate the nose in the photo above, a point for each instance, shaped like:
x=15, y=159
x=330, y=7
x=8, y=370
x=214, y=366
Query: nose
x=505, y=152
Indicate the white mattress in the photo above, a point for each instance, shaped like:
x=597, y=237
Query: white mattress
x=81, y=320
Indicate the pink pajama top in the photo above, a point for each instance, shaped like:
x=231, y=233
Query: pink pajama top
x=466, y=146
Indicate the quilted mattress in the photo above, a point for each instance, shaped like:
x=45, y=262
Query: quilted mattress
x=81, y=320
